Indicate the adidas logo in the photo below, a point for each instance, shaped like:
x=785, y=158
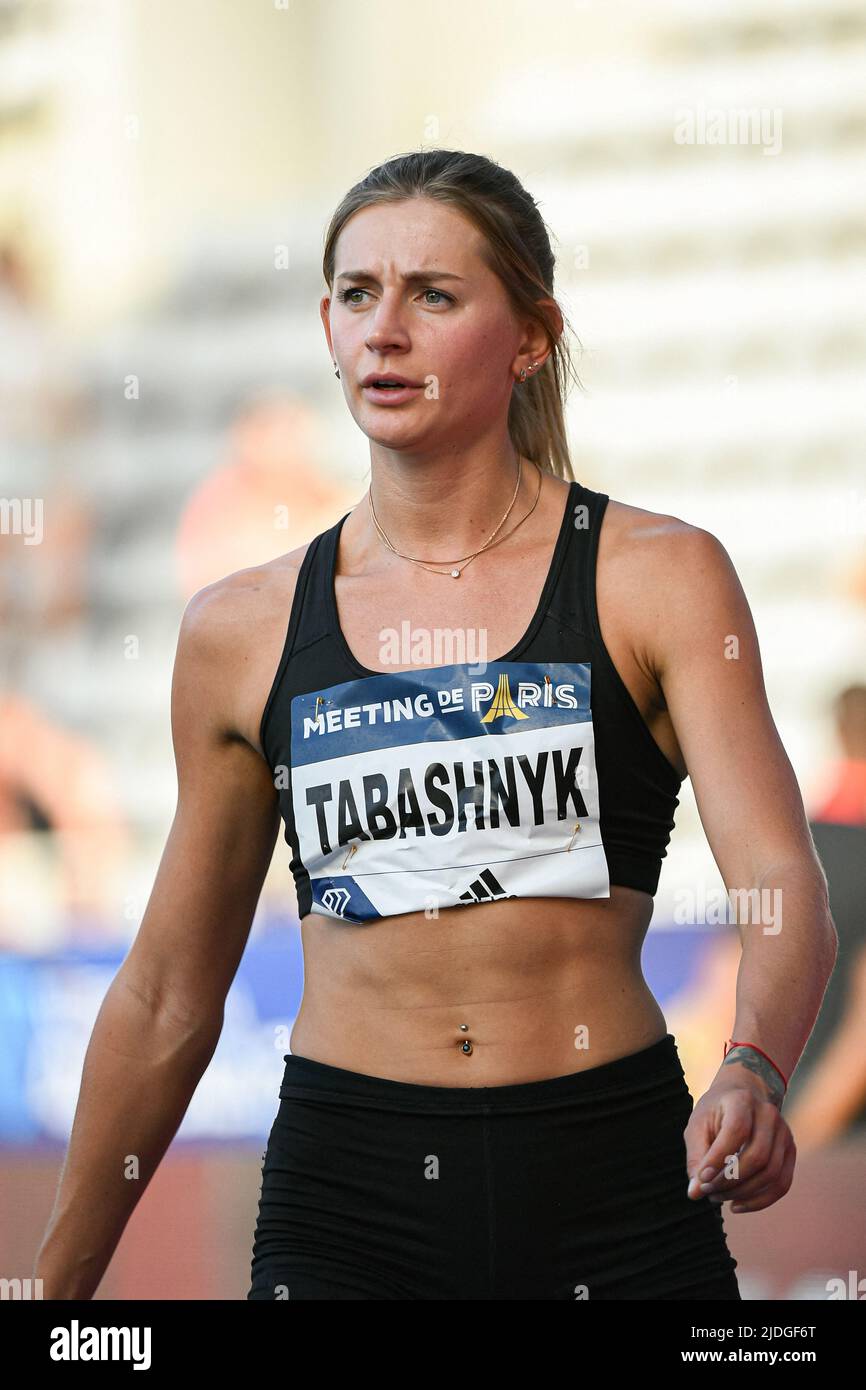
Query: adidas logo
x=484, y=889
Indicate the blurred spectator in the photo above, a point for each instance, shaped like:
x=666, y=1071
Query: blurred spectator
x=833, y=1099
x=43, y=585
x=56, y=783
x=271, y=496
x=40, y=394
x=845, y=802
x=42, y=581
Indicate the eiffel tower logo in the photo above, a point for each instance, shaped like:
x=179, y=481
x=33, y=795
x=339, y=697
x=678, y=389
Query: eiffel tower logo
x=502, y=703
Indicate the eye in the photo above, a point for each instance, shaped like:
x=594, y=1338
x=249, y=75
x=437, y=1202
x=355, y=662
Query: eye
x=344, y=295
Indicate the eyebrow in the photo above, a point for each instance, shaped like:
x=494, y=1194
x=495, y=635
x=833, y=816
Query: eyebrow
x=414, y=277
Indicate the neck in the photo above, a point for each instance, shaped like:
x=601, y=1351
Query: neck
x=449, y=512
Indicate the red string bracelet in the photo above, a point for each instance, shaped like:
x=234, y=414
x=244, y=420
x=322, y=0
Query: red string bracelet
x=730, y=1043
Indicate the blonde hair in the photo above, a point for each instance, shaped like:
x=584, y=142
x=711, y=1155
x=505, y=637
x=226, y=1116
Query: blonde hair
x=517, y=250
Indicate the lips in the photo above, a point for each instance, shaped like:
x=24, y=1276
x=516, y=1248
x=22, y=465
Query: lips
x=390, y=390
x=388, y=381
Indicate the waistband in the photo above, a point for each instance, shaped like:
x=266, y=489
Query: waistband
x=656, y=1065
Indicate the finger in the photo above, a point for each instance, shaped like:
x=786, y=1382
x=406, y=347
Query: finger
x=772, y=1193
x=769, y=1135
x=733, y=1117
x=757, y=1180
x=699, y=1134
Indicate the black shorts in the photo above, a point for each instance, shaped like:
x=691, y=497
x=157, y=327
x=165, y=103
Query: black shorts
x=568, y=1188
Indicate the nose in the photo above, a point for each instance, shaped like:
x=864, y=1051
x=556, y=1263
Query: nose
x=385, y=327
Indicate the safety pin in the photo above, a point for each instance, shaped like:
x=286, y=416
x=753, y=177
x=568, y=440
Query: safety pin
x=348, y=856
x=573, y=833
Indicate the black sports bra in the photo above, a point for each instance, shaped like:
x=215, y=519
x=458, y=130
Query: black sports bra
x=532, y=775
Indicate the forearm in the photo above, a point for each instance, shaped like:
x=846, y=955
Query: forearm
x=140, y=1073
x=789, y=950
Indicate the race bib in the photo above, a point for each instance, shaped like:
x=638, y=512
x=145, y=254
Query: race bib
x=437, y=788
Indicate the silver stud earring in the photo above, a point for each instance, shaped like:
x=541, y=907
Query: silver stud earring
x=522, y=376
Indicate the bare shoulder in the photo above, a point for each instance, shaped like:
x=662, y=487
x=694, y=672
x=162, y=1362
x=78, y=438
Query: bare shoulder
x=666, y=573
x=242, y=596
x=631, y=526
x=231, y=638
x=645, y=545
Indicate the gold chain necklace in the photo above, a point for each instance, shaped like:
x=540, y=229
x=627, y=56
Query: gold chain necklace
x=455, y=573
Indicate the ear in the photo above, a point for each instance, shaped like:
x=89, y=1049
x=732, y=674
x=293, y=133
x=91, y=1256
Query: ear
x=535, y=344
x=325, y=313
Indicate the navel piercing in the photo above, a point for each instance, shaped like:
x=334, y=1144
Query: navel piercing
x=465, y=1046
x=464, y=1027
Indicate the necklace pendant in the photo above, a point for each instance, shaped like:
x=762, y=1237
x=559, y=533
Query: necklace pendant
x=455, y=574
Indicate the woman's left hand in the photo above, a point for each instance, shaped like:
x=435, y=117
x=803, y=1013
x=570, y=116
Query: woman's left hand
x=737, y=1130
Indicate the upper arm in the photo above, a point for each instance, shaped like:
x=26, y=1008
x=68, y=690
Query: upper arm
x=703, y=648
x=221, y=840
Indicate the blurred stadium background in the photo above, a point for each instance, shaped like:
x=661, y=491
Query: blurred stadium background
x=168, y=413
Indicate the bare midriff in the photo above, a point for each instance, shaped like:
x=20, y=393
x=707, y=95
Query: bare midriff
x=537, y=988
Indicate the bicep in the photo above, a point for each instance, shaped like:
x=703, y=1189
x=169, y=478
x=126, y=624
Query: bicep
x=708, y=663
x=218, y=849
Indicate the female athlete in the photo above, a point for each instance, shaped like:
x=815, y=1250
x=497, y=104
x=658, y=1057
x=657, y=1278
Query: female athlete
x=472, y=702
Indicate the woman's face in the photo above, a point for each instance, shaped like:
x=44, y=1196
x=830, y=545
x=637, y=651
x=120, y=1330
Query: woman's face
x=451, y=331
